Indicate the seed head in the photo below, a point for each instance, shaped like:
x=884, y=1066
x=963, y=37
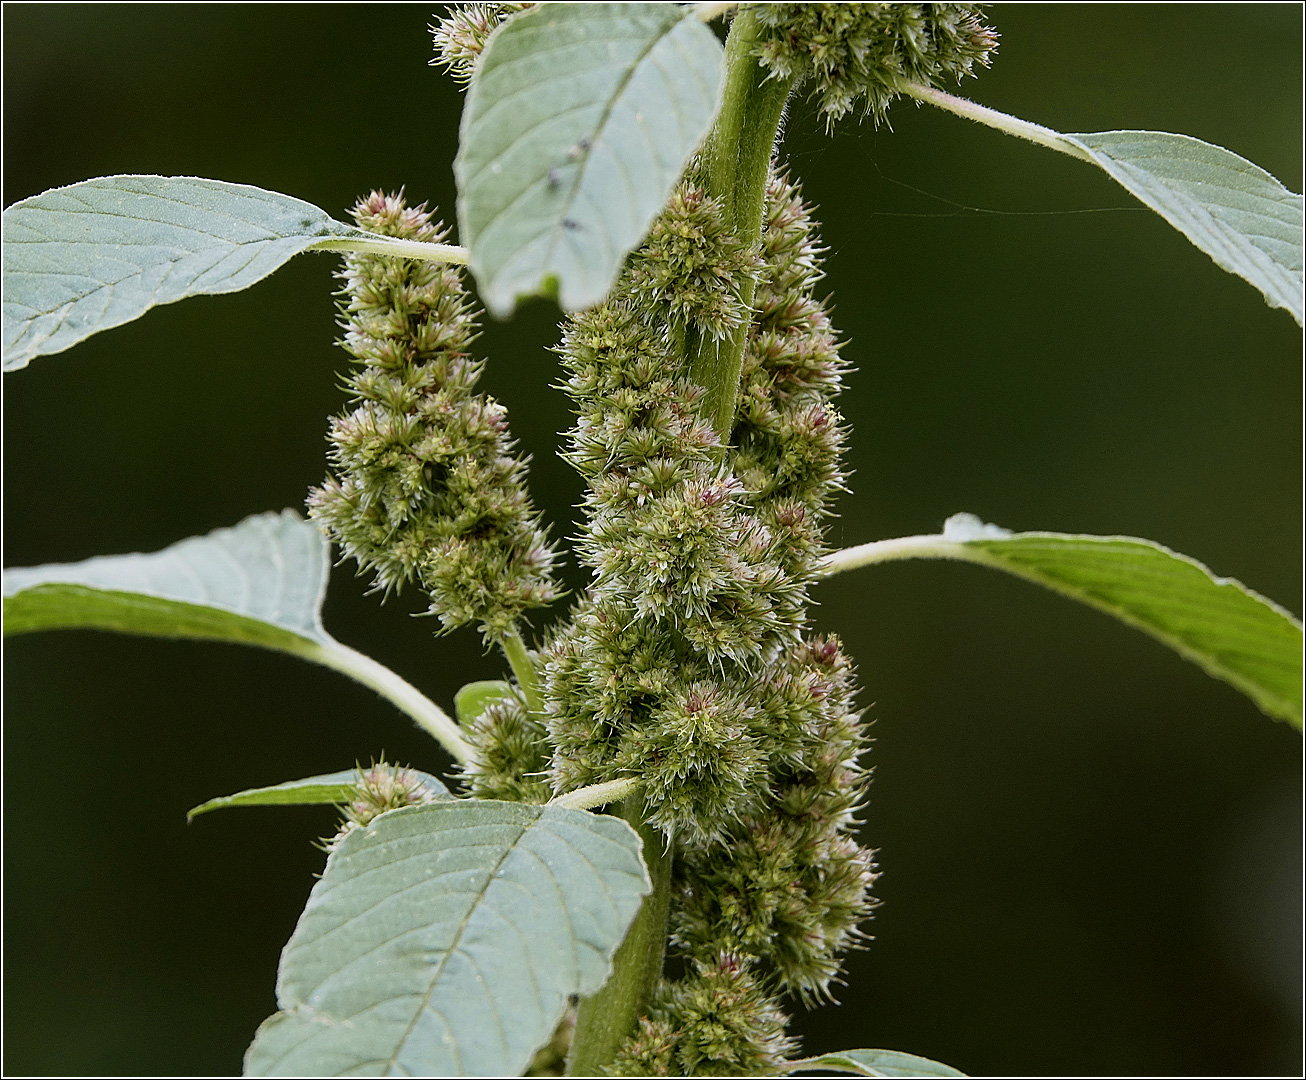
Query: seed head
x=425, y=483
x=855, y=51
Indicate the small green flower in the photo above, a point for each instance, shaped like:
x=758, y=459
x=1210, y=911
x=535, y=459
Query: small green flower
x=380, y=788
x=510, y=753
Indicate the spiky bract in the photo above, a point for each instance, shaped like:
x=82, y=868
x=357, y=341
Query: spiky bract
x=380, y=788
x=461, y=35
x=852, y=51
x=426, y=485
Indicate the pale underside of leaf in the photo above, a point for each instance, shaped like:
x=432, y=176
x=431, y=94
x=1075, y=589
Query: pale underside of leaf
x=1236, y=212
x=445, y=940
x=100, y=253
x=329, y=788
x=94, y=255
x=1233, y=633
x=577, y=125
x=874, y=1063
x=260, y=582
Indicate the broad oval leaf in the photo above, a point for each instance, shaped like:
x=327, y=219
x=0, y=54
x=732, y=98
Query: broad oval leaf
x=1236, y=212
x=329, y=788
x=874, y=1063
x=445, y=940
x=578, y=123
x=94, y=255
x=1218, y=623
x=261, y=582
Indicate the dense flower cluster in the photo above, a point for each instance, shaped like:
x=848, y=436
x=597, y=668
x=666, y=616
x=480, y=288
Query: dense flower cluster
x=425, y=482
x=789, y=885
x=690, y=598
x=717, y=1021
x=510, y=755
x=853, y=50
x=686, y=663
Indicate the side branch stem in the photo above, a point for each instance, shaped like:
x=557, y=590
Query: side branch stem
x=982, y=114
x=402, y=693
x=737, y=160
x=935, y=546
x=519, y=659
x=596, y=795
x=606, y=1019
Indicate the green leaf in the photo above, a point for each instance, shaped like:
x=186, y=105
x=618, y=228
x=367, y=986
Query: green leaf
x=445, y=940
x=874, y=1063
x=474, y=698
x=333, y=788
x=261, y=582
x=578, y=123
x=1218, y=623
x=1236, y=212
x=95, y=255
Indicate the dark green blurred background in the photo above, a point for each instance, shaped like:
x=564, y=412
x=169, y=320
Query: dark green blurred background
x=1091, y=849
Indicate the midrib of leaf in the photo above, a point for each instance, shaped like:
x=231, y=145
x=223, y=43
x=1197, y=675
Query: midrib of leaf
x=579, y=176
x=622, y=86
x=453, y=946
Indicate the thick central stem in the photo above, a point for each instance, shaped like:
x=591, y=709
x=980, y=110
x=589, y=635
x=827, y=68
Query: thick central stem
x=737, y=165
x=605, y=1020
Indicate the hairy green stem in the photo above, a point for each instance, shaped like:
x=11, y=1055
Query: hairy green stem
x=519, y=659
x=737, y=164
x=606, y=1019
x=1011, y=125
x=385, y=682
x=595, y=795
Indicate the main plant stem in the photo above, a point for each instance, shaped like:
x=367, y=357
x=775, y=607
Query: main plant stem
x=737, y=165
x=605, y=1020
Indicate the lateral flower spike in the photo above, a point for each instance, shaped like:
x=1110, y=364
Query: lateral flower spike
x=425, y=485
